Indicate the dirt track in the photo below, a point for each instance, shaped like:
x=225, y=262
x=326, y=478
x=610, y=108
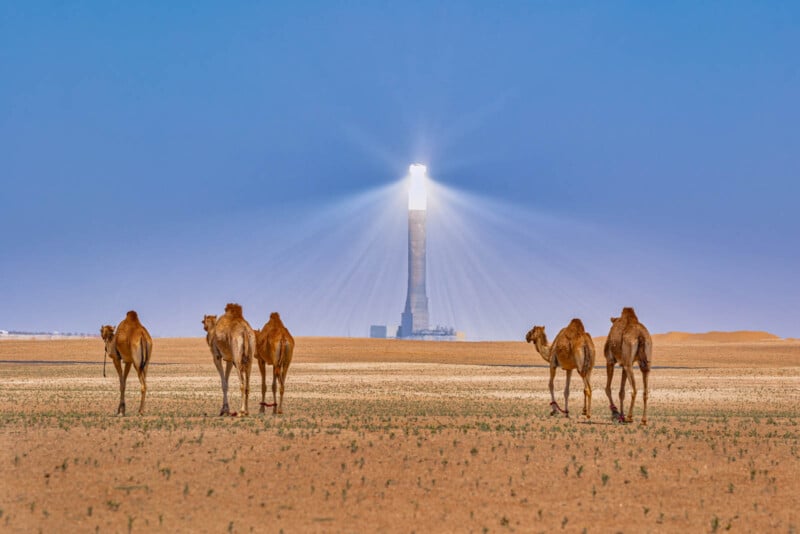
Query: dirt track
x=372, y=442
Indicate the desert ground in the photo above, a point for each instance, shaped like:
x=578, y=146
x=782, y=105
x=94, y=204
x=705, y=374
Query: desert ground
x=401, y=436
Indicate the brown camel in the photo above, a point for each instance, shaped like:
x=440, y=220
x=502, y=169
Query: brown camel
x=572, y=349
x=274, y=346
x=132, y=344
x=628, y=341
x=230, y=338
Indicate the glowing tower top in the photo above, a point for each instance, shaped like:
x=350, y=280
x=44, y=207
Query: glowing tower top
x=417, y=196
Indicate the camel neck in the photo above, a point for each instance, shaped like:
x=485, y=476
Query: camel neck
x=542, y=348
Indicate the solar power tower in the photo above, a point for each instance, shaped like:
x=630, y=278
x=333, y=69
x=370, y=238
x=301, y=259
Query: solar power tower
x=414, y=318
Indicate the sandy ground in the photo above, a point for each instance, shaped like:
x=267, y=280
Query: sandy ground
x=384, y=435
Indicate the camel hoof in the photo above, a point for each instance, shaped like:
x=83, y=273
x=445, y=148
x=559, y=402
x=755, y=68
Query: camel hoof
x=554, y=412
x=644, y=421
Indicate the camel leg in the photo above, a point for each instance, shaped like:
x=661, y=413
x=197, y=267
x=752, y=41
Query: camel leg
x=224, y=376
x=609, y=379
x=629, y=372
x=282, y=379
x=275, y=372
x=566, y=393
x=143, y=383
x=242, y=389
x=262, y=367
x=587, y=395
x=551, y=385
x=622, y=395
x=122, y=381
x=645, y=394
x=118, y=367
x=244, y=376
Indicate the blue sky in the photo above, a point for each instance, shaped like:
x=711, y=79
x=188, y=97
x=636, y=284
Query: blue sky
x=151, y=152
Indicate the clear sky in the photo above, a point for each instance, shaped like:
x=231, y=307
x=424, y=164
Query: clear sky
x=169, y=158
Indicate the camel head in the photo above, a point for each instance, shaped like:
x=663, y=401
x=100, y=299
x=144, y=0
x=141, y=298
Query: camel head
x=107, y=333
x=132, y=316
x=209, y=322
x=109, y=344
x=536, y=334
x=614, y=319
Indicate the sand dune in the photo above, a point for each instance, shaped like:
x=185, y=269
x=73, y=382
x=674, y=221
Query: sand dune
x=739, y=336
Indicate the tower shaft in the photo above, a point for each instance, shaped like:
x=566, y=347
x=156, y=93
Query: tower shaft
x=415, y=316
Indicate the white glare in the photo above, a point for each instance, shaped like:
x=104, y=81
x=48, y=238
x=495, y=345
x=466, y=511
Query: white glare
x=417, y=198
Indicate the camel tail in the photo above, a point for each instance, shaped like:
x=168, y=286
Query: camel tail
x=105, y=357
x=643, y=352
x=588, y=357
x=281, y=352
x=145, y=350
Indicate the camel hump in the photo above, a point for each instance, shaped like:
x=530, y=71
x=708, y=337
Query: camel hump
x=577, y=325
x=234, y=310
x=628, y=313
x=133, y=316
x=275, y=320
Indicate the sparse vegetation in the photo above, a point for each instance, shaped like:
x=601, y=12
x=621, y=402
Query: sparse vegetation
x=377, y=437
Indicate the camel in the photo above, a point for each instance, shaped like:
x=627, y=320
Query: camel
x=274, y=346
x=130, y=343
x=230, y=338
x=572, y=349
x=628, y=341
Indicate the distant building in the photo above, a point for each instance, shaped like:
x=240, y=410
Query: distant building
x=377, y=331
x=3, y=332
